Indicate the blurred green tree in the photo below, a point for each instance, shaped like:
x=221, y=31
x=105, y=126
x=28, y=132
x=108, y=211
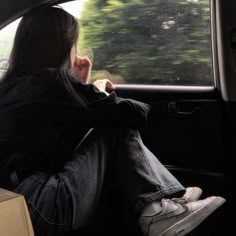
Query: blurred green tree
x=149, y=41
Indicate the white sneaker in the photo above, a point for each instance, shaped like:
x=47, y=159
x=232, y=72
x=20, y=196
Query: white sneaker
x=178, y=219
x=192, y=194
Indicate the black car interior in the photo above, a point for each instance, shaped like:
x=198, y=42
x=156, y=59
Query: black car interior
x=190, y=129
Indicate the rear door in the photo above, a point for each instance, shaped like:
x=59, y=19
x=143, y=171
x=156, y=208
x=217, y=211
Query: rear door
x=165, y=53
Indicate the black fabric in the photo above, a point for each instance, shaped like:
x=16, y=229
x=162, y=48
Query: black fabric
x=111, y=177
x=41, y=123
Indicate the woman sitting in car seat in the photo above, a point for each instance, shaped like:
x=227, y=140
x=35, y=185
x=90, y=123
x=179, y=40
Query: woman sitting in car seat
x=72, y=180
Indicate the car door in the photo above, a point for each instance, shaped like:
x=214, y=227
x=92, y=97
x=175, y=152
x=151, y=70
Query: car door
x=172, y=55
x=165, y=53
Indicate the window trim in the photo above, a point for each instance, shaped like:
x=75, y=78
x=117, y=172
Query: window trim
x=167, y=88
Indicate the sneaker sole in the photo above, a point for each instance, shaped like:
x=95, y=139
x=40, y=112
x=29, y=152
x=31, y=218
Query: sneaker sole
x=189, y=223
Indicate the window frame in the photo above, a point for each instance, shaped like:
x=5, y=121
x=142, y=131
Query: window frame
x=177, y=88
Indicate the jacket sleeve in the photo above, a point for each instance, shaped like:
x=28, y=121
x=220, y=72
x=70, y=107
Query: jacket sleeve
x=113, y=111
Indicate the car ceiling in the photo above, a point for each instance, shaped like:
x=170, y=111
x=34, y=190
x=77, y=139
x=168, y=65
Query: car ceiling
x=13, y=9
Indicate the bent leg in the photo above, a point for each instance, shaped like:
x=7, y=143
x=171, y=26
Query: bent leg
x=69, y=199
x=140, y=174
x=117, y=158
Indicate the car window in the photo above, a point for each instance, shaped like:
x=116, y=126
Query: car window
x=151, y=42
x=6, y=41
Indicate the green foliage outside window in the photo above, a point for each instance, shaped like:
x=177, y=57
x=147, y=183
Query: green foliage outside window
x=148, y=41
x=163, y=42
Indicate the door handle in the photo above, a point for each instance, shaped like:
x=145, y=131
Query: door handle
x=183, y=109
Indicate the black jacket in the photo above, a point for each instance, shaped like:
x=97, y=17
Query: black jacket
x=41, y=123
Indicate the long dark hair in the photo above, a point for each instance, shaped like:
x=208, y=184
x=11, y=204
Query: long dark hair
x=44, y=39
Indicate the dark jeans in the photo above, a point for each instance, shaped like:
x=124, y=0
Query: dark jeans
x=111, y=171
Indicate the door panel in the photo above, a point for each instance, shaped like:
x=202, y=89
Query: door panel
x=189, y=140
x=186, y=131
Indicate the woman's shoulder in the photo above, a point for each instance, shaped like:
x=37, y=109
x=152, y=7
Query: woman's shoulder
x=41, y=82
x=48, y=74
x=15, y=78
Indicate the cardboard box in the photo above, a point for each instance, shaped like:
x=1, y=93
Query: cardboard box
x=14, y=215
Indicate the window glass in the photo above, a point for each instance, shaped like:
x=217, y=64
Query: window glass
x=157, y=42
x=163, y=42
x=6, y=41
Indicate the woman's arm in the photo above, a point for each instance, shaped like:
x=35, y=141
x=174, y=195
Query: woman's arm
x=107, y=110
x=112, y=111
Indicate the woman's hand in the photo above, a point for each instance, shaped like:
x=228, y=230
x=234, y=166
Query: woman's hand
x=82, y=69
x=103, y=84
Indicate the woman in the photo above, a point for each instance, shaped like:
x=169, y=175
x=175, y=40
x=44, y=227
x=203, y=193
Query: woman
x=47, y=106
